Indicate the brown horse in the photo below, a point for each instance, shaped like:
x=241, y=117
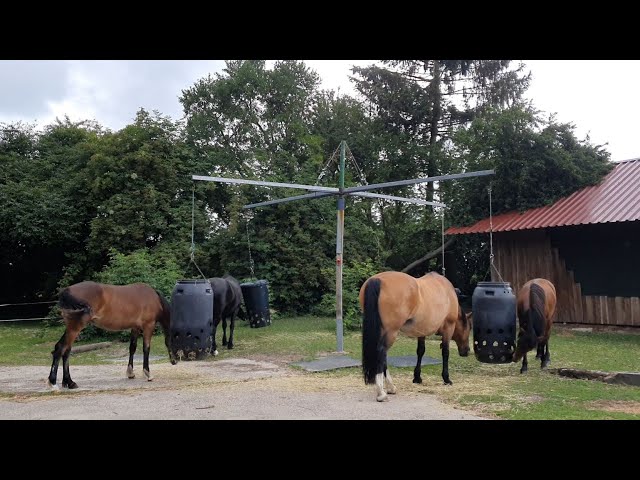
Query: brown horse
x=536, y=307
x=114, y=308
x=394, y=302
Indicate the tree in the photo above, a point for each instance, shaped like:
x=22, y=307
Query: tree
x=272, y=125
x=44, y=208
x=133, y=181
x=536, y=162
x=421, y=103
x=416, y=107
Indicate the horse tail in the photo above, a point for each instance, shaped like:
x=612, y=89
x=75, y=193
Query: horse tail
x=373, y=341
x=536, y=309
x=66, y=301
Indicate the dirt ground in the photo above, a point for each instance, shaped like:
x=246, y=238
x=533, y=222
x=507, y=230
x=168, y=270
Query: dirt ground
x=240, y=389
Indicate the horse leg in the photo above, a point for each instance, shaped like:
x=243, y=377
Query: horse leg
x=63, y=349
x=381, y=394
x=146, y=347
x=224, y=331
x=540, y=351
x=381, y=367
x=546, y=358
x=57, y=353
x=214, y=347
x=133, y=343
x=420, y=352
x=391, y=388
x=445, y=361
x=70, y=336
x=525, y=365
x=232, y=326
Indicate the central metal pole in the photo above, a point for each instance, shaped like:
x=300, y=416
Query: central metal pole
x=339, y=243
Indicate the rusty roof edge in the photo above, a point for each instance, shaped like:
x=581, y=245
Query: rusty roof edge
x=560, y=210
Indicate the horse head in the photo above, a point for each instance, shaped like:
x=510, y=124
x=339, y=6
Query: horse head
x=461, y=332
x=527, y=341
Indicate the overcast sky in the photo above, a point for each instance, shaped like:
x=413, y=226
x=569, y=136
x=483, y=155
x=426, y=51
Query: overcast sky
x=597, y=96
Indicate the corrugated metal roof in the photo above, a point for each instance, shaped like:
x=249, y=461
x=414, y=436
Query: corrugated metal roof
x=616, y=199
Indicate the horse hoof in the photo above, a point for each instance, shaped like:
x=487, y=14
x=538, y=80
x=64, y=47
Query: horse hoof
x=224, y=342
x=523, y=370
x=53, y=386
x=130, y=373
x=71, y=385
x=392, y=391
x=230, y=346
x=448, y=382
x=148, y=375
x=215, y=353
x=417, y=380
x=382, y=398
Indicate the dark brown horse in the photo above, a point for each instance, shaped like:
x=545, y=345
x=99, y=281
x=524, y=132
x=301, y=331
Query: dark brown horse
x=111, y=307
x=536, y=308
x=227, y=299
x=394, y=302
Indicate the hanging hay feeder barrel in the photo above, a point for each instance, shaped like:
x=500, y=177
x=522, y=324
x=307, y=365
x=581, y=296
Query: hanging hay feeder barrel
x=191, y=319
x=256, y=302
x=494, y=322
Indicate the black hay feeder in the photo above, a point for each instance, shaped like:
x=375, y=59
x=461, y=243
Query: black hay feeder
x=256, y=302
x=191, y=319
x=494, y=322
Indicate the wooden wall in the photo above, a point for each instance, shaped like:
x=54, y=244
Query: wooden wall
x=521, y=256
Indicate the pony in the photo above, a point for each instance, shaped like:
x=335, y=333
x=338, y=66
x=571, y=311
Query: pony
x=227, y=300
x=394, y=302
x=110, y=307
x=536, y=308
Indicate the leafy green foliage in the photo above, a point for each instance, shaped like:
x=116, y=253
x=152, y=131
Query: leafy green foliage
x=133, y=182
x=43, y=205
x=536, y=163
x=157, y=268
x=353, y=276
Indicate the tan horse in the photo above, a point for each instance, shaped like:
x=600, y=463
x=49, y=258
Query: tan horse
x=111, y=307
x=394, y=302
x=536, y=308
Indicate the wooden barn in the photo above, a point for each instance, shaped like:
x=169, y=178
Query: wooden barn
x=587, y=244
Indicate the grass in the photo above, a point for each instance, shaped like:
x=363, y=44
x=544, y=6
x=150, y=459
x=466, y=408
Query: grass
x=497, y=391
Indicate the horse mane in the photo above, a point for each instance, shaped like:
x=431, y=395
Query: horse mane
x=461, y=314
x=536, y=309
x=164, y=317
